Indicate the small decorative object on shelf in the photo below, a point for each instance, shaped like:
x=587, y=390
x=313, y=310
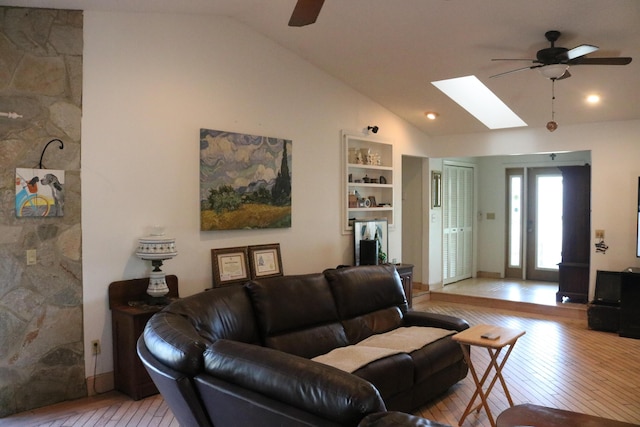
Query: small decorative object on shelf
x=157, y=248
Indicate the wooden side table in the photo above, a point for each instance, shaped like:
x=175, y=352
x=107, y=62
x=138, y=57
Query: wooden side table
x=130, y=312
x=406, y=275
x=502, y=337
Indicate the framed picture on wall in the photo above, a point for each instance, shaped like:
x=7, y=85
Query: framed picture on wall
x=436, y=189
x=229, y=266
x=265, y=261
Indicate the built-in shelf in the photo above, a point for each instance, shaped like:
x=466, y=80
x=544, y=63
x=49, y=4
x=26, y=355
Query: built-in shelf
x=368, y=179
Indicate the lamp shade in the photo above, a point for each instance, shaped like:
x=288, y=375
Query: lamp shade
x=553, y=71
x=156, y=247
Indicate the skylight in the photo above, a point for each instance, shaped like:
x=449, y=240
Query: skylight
x=472, y=95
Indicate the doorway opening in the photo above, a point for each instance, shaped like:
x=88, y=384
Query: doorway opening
x=534, y=223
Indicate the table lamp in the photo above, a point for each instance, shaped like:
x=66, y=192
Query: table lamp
x=156, y=248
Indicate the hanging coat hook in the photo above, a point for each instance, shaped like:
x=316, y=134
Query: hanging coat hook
x=45, y=149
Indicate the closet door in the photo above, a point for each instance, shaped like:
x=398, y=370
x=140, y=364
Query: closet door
x=457, y=218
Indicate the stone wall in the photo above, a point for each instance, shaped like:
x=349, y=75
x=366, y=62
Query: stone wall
x=41, y=340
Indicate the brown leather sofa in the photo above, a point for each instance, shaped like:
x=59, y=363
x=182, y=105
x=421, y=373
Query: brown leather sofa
x=240, y=355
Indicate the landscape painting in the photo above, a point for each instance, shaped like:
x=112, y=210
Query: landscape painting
x=245, y=181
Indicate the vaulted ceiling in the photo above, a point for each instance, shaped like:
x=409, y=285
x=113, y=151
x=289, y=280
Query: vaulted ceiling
x=391, y=50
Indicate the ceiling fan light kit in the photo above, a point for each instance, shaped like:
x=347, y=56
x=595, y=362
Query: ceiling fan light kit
x=553, y=71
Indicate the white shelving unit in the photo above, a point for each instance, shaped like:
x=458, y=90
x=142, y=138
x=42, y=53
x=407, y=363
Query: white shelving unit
x=368, y=179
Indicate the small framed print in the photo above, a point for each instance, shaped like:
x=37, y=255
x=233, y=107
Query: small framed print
x=265, y=261
x=230, y=266
x=436, y=189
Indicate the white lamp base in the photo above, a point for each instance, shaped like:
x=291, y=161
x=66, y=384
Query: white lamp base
x=157, y=284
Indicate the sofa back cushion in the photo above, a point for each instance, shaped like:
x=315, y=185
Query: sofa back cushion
x=296, y=314
x=179, y=334
x=370, y=299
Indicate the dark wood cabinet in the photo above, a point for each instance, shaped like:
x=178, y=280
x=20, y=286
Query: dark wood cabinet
x=406, y=275
x=130, y=311
x=630, y=304
x=573, y=278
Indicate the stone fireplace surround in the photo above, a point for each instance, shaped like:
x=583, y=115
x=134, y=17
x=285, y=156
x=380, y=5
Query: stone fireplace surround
x=41, y=338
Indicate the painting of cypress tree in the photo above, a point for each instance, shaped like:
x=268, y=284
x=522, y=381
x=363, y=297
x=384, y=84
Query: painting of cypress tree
x=245, y=181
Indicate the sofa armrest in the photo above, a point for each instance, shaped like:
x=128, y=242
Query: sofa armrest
x=435, y=320
x=174, y=341
x=302, y=383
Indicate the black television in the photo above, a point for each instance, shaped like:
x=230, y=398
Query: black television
x=608, y=287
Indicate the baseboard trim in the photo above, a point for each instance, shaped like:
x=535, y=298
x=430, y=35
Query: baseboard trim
x=488, y=275
x=100, y=383
x=421, y=286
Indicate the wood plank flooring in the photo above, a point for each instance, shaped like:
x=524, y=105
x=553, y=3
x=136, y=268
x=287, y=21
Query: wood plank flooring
x=558, y=363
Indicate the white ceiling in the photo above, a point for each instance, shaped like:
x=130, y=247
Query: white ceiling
x=390, y=50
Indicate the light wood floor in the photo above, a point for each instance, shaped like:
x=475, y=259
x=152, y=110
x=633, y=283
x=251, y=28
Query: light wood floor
x=529, y=291
x=558, y=363
x=516, y=295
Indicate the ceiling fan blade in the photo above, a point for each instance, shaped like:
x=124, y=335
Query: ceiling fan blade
x=622, y=60
x=578, y=51
x=306, y=12
x=515, y=71
x=513, y=59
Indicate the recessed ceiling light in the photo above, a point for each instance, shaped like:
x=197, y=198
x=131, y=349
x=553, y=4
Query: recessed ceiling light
x=472, y=95
x=593, y=99
x=431, y=115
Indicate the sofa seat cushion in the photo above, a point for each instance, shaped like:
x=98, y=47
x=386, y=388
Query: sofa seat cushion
x=399, y=340
x=391, y=376
x=435, y=357
x=297, y=314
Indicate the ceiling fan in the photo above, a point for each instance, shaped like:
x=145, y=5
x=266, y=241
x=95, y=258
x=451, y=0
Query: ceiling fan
x=554, y=61
x=306, y=12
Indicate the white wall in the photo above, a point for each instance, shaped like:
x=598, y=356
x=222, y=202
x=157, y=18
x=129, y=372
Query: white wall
x=150, y=83
x=413, y=214
x=615, y=160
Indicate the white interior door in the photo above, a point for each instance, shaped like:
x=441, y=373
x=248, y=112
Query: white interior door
x=457, y=222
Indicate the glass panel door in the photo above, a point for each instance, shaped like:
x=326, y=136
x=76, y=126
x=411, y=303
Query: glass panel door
x=544, y=224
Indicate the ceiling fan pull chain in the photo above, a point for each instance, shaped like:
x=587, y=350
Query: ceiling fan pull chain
x=552, y=125
x=553, y=99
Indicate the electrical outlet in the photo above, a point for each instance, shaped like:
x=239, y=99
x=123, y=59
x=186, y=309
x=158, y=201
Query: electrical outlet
x=32, y=257
x=95, y=347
